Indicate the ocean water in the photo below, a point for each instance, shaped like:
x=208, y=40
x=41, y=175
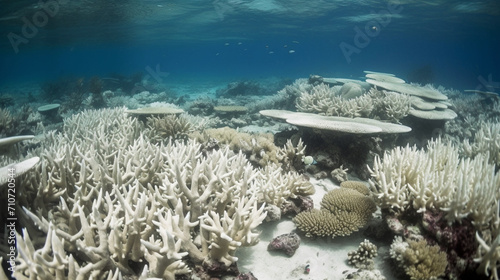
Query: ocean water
x=449, y=43
x=195, y=46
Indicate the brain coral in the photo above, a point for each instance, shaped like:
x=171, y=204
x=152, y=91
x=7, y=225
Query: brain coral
x=320, y=222
x=342, y=212
x=344, y=200
x=356, y=185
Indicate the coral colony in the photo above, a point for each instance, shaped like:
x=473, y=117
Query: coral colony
x=131, y=187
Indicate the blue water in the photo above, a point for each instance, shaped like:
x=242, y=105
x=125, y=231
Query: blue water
x=225, y=40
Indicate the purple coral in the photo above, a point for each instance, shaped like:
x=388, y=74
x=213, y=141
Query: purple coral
x=457, y=238
x=287, y=243
x=296, y=205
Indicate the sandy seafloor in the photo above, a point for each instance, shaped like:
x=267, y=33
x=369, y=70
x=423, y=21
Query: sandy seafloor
x=327, y=257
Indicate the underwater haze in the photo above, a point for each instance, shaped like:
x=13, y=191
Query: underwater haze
x=209, y=139
x=451, y=43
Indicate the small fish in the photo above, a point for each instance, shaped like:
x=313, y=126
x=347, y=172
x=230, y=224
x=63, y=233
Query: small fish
x=296, y=42
x=226, y=44
x=271, y=52
x=291, y=51
x=308, y=160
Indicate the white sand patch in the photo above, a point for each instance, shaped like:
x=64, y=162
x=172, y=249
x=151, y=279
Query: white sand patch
x=327, y=258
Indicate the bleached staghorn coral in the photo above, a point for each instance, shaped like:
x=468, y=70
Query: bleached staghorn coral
x=389, y=105
x=486, y=141
x=111, y=195
x=489, y=248
x=128, y=225
x=225, y=233
x=285, y=185
x=290, y=156
x=489, y=260
x=326, y=100
x=317, y=100
x=363, y=256
x=437, y=179
x=473, y=114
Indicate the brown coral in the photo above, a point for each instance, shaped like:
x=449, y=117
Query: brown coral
x=342, y=212
x=356, y=185
x=170, y=126
x=422, y=261
x=343, y=200
x=317, y=223
x=259, y=148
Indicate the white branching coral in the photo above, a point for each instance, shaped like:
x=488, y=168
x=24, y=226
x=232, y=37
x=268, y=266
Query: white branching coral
x=363, y=256
x=489, y=260
x=486, y=141
x=224, y=234
x=437, y=179
x=390, y=105
x=290, y=156
x=48, y=262
x=325, y=100
x=489, y=248
x=109, y=200
x=284, y=185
